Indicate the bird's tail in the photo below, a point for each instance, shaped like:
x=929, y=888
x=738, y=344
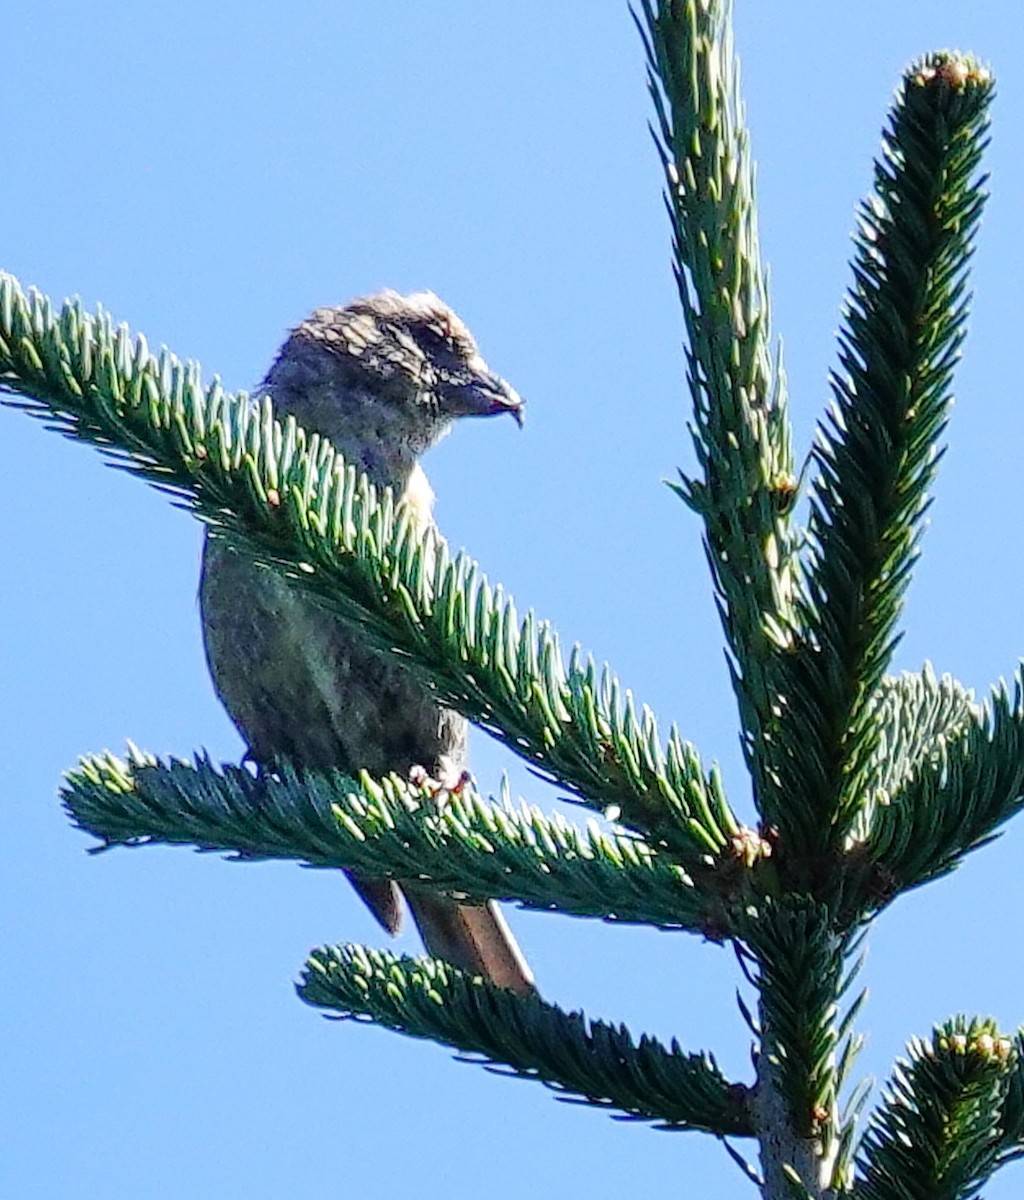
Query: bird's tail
x=474, y=937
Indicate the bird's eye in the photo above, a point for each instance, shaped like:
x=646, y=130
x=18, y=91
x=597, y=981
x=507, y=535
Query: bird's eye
x=440, y=339
x=441, y=336
x=450, y=337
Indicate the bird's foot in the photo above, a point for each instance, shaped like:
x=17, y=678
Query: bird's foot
x=440, y=787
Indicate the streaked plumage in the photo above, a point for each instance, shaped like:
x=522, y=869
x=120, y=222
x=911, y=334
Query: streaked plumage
x=383, y=378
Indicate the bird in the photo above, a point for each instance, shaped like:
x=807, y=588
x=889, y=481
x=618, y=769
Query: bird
x=383, y=378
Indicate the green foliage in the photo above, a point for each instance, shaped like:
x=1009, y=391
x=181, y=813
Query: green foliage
x=590, y=1060
x=878, y=450
x=956, y=777
x=388, y=828
x=941, y=1129
x=740, y=429
x=800, y=960
x=865, y=785
x=291, y=501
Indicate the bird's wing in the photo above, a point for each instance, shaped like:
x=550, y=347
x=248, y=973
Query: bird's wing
x=303, y=685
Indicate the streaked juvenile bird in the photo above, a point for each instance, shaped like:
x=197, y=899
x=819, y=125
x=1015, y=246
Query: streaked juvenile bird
x=382, y=378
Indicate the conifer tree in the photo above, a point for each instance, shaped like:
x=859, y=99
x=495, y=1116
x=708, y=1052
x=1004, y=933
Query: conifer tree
x=866, y=784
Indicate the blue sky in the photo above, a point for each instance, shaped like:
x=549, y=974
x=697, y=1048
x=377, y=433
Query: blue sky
x=209, y=173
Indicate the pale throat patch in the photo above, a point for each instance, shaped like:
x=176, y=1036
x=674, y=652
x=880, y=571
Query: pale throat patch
x=419, y=495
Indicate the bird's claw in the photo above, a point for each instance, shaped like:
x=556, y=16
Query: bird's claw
x=440, y=787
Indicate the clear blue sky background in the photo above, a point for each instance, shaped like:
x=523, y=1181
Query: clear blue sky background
x=210, y=173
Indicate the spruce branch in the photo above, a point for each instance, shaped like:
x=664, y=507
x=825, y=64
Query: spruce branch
x=456, y=841
x=1011, y=1121
x=801, y=976
x=740, y=427
x=878, y=452
x=588, y=1061
x=867, y=785
x=938, y=1133
x=947, y=799
x=291, y=502
x=918, y=715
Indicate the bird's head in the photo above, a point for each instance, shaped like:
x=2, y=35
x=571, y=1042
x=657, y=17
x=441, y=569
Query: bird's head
x=389, y=369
